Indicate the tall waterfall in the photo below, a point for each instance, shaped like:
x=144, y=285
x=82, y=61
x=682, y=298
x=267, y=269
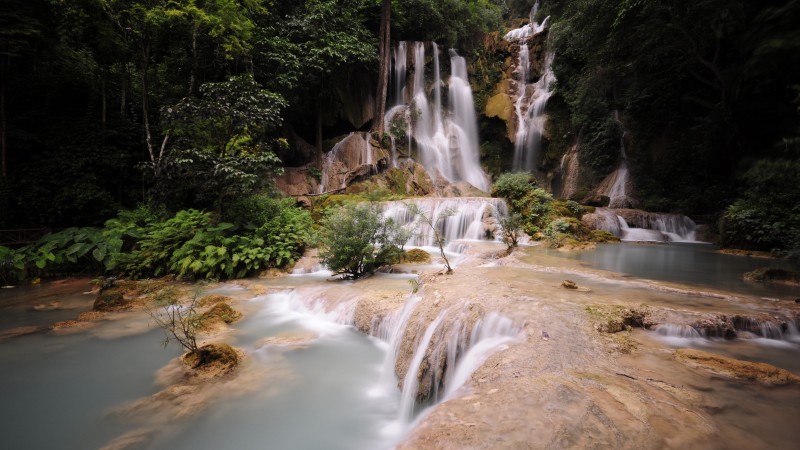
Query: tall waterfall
x=446, y=140
x=531, y=97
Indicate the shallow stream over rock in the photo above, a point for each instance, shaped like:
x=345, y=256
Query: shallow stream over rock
x=496, y=355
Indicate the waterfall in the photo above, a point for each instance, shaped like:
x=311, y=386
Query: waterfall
x=680, y=331
x=490, y=335
x=399, y=72
x=636, y=225
x=472, y=218
x=447, y=353
x=408, y=399
x=617, y=184
x=638, y=234
x=569, y=172
x=531, y=99
x=465, y=125
x=446, y=140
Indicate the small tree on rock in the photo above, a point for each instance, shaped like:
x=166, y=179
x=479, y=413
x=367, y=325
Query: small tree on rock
x=511, y=230
x=179, y=322
x=436, y=225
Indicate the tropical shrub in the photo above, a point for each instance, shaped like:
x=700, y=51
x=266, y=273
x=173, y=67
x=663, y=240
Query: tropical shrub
x=12, y=265
x=767, y=216
x=356, y=240
x=511, y=230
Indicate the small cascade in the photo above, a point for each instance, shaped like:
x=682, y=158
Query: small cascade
x=627, y=233
x=766, y=329
x=473, y=218
x=446, y=141
x=408, y=399
x=793, y=331
x=728, y=328
x=447, y=353
x=617, y=184
x=490, y=335
x=678, y=331
x=636, y=225
x=531, y=98
x=569, y=171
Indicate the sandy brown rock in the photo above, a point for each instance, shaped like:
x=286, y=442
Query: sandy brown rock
x=735, y=368
x=288, y=341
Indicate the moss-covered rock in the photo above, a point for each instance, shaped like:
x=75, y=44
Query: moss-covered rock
x=217, y=359
x=213, y=299
x=416, y=255
x=220, y=313
x=764, y=274
x=569, y=284
x=614, y=318
x=601, y=236
x=123, y=295
x=118, y=296
x=500, y=106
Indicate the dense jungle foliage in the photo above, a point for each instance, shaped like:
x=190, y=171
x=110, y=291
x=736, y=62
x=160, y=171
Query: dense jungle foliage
x=707, y=96
x=193, y=106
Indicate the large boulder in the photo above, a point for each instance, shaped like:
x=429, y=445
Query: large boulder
x=354, y=158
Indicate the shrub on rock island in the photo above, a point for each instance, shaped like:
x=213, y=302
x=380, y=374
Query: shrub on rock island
x=216, y=358
x=356, y=240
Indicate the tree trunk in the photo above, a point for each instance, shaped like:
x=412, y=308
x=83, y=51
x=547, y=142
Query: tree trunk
x=145, y=47
x=103, y=100
x=383, y=71
x=193, y=75
x=123, y=90
x=318, y=157
x=3, y=81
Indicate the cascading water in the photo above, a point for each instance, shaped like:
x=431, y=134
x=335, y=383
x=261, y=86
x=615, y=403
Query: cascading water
x=472, y=218
x=446, y=141
x=531, y=99
x=399, y=73
x=617, y=184
x=408, y=399
x=648, y=226
x=489, y=335
x=452, y=346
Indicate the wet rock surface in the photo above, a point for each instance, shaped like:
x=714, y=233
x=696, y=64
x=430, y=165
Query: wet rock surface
x=579, y=388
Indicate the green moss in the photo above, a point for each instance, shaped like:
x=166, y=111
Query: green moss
x=772, y=274
x=416, y=255
x=602, y=236
x=398, y=180
x=615, y=318
x=221, y=358
x=220, y=312
x=213, y=299
x=109, y=300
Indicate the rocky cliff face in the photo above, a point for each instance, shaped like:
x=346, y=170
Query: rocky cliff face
x=500, y=104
